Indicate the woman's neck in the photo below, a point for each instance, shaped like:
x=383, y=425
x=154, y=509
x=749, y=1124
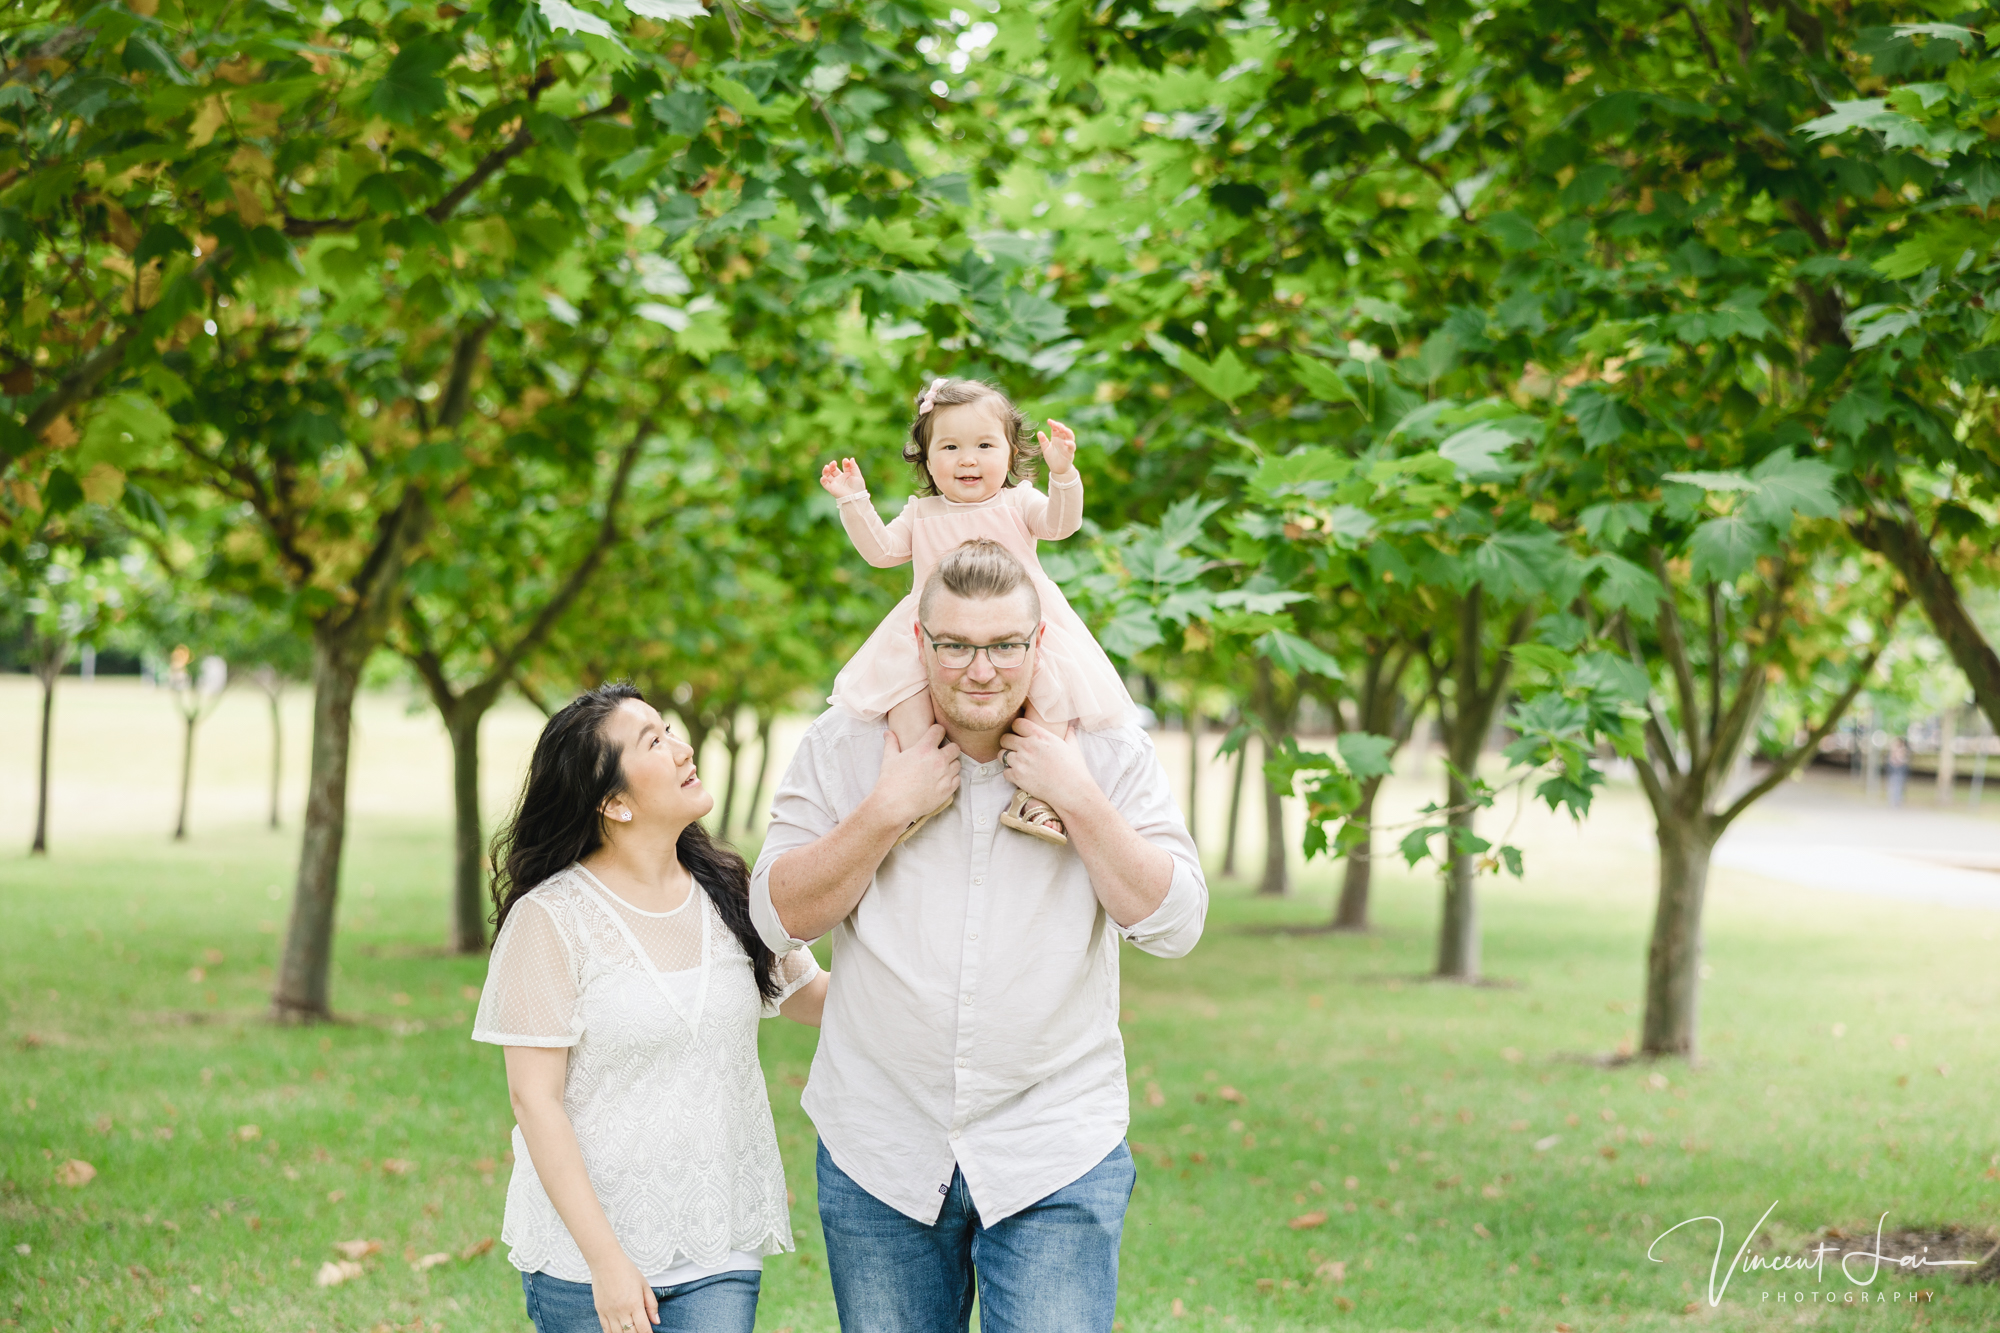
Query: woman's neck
x=643, y=868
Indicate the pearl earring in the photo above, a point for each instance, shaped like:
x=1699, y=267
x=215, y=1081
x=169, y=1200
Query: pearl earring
x=625, y=815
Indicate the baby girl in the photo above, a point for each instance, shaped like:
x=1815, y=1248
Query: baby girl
x=970, y=447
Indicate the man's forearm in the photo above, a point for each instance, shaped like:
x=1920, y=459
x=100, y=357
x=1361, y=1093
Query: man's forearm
x=1130, y=875
x=814, y=887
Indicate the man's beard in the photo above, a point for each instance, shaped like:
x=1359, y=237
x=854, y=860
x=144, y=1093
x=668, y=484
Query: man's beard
x=954, y=709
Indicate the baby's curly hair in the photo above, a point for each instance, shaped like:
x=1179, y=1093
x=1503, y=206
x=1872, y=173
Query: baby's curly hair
x=1022, y=450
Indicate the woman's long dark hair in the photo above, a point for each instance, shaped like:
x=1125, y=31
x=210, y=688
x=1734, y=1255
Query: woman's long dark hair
x=560, y=821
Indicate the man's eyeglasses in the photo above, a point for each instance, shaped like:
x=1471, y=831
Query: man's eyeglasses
x=958, y=656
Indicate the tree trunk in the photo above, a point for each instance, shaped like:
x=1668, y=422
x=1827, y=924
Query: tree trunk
x=1194, y=773
x=764, y=721
x=303, y=971
x=48, y=678
x=189, y=722
x=1898, y=538
x=1351, y=912
x=1277, y=878
x=1947, y=760
x=468, y=879
x=1673, y=958
x=277, y=755
x=1235, y=810
x=1458, y=932
x=732, y=745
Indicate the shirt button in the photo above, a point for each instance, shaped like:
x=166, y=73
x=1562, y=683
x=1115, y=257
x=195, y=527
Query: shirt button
x=963, y=1062
x=982, y=821
x=973, y=936
x=979, y=879
x=968, y=998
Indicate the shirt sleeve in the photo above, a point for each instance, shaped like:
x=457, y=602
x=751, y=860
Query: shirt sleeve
x=530, y=997
x=1058, y=514
x=794, y=970
x=881, y=545
x=802, y=812
x=1140, y=793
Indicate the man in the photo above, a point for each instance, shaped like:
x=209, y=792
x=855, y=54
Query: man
x=969, y=1087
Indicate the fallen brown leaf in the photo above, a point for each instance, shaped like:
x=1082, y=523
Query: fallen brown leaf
x=245, y=1133
x=1307, y=1221
x=1229, y=1094
x=1333, y=1270
x=1343, y=1302
x=357, y=1249
x=397, y=1166
x=430, y=1261
x=332, y=1274
x=75, y=1173
x=477, y=1248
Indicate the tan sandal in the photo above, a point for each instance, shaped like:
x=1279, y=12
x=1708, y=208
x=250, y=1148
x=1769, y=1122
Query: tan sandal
x=1032, y=815
x=916, y=824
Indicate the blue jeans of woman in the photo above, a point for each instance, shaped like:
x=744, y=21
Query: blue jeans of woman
x=724, y=1303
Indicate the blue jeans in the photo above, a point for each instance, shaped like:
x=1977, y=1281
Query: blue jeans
x=1050, y=1268
x=725, y=1303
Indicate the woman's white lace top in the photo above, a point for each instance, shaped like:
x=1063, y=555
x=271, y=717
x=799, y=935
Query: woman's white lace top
x=659, y=1010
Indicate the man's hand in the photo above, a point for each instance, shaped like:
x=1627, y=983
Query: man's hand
x=1048, y=765
x=843, y=478
x=1058, y=449
x=916, y=781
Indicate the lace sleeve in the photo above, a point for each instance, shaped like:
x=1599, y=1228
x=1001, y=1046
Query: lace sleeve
x=531, y=984
x=794, y=970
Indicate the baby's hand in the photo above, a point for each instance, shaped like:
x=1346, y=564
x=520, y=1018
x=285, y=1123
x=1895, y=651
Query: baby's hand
x=1058, y=449
x=842, y=478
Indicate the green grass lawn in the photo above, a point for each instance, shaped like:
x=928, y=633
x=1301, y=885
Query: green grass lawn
x=1474, y=1167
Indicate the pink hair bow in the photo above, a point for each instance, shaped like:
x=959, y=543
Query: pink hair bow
x=928, y=398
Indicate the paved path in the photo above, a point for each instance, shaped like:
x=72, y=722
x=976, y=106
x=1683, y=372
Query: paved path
x=1823, y=834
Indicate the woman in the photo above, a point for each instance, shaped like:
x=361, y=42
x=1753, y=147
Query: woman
x=626, y=984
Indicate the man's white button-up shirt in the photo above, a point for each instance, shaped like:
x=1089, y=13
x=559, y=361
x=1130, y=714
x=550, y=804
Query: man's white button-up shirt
x=972, y=1016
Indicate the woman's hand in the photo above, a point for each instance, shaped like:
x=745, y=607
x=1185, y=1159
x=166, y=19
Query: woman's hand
x=625, y=1304
x=843, y=478
x=1058, y=449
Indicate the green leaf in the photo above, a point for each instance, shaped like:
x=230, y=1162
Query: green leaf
x=1868, y=113
x=1516, y=566
x=1858, y=409
x=1130, y=633
x=1725, y=549
x=411, y=89
x=1325, y=383
x=1226, y=377
x=1626, y=586
x=1611, y=674
x=122, y=429
x=1309, y=472
x=1541, y=657
x=1939, y=242
x=1713, y=481
x=1297, y=655
x=916, y=289
x=1600, y=418
x=747, y=104
x=1968, y=40
x=898, y=238
x=1607, y=522
x=1879, y=323
x=1513, y=232
x=1365, y=754
x=1480, y=451
x=1260, y=603
x=1788, y=485
x=1416, y=844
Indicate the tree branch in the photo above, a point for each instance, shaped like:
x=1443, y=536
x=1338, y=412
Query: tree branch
x=1789, y=764
x=1656, y=729
x=1674, y=647
x=1889, y=528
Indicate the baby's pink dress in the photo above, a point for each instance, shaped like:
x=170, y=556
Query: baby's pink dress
x=1073, y=677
